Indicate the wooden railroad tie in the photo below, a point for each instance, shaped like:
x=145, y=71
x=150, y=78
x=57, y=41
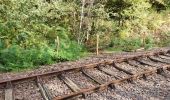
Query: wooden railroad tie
x=71, y=85
x=121, y=69
x=133, y=63
x=91, y=77
x=164, y=57
x=159, y=60
x=148, y=63
x=43, y=90
x=9, y=91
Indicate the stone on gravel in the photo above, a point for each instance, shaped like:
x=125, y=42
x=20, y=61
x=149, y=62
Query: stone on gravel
x=56, y=86
x=2, y=95
x=26, y=90
x=100, y=75
x=80, y=80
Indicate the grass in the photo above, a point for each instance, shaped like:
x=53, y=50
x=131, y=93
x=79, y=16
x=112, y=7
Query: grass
x=16, y=58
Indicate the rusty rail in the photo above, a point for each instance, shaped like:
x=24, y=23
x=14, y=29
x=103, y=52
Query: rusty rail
x=79, y=68
x=105, y=85
x=77, y=92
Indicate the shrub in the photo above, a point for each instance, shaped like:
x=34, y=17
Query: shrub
x=17, y=58
x=129, y=44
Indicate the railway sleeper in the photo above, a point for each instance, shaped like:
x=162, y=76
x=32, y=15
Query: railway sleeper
x=132, y=63
x=121, y=69
x=158, y=60
x=96, y=88
x=91, y=77
x=46, y=94
x=9, y=91
x=108, y=72
x=95, y=80
x=43, y=90
x=105, y=85
x=98, y=81
x=164, y=57
x=148, y=63
x=72, y=86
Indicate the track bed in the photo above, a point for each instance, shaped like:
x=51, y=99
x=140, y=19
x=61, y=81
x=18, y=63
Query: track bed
x=143, y=77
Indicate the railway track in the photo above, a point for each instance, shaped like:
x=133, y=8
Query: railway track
x=78, y=83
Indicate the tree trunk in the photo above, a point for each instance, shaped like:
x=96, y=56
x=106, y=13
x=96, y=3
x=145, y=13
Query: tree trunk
x=81, y=21
x=89, y=20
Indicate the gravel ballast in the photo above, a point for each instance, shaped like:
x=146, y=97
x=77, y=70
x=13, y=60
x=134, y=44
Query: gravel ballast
x=116, y=72
x=156, y=87
x=80, y=80
x=2, y=92
x=26, y=90
x=78, y=63
x=56, y=86
x=128, y=67
x=100, y=75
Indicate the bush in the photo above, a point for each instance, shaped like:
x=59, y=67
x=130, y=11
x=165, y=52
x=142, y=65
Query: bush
x=130, y=44
x=17, y=58
x=70, y=50
x=149, y=43
x=164, y=40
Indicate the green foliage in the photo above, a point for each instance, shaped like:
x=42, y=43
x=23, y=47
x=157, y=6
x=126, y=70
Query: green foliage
x=29, y=28
x=131, y=44
x=134, y=16
x=70, y=51
x=17, y=58
x=165, y=40
x=126, y=44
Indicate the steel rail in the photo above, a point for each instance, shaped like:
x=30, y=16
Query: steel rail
x=107, y=84
x=94, y=65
